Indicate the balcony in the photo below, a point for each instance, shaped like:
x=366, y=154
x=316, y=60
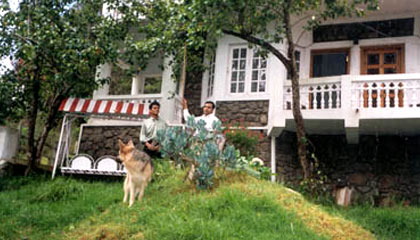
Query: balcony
x=355, y=105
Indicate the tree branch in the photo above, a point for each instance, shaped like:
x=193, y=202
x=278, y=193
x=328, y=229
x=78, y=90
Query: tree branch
x=262, y=43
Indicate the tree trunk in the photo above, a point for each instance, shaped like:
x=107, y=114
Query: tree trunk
x=297, y=114
x=50, y=123
x=32, y=150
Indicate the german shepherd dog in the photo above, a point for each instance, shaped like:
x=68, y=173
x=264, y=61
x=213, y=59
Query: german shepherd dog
x=139, y=168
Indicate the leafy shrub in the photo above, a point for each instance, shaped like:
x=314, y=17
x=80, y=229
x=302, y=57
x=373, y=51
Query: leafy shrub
x=242, y=138
x=197, y=148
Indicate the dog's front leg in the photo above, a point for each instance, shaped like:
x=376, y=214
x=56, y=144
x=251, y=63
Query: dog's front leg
x=142, y=187
x=132, y=194
x=126, y=188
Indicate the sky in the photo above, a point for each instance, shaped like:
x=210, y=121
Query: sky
x=5, y=62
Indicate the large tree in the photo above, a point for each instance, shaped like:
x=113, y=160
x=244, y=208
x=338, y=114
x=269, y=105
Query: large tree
x=56, y=47
x=262, y=23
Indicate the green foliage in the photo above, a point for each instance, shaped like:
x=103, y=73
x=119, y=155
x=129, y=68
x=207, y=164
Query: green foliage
x=238, y=135
x=316, y=185
x=195, y=146
x=11, y=98
x=56, y=48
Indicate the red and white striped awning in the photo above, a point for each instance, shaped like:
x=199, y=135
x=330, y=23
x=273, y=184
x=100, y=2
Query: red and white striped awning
x=103, y=107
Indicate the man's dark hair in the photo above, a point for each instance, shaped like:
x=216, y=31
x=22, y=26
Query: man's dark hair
x=212, y=104
x=154, y=103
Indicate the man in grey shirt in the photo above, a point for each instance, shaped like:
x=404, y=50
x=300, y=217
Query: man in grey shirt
x=149, y=130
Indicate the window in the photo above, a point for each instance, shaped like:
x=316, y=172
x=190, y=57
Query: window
x=382, y=59
x=364, y=30
x=297, y=58
x=152, y=84
x=210, y=83
x=258, y=77
x=237, y=79
x=248, y=71
x=121, y=81
x=326, y=63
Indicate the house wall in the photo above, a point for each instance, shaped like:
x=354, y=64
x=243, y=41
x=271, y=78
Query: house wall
x=251, y=113
x=412, y=44
x=378, y=168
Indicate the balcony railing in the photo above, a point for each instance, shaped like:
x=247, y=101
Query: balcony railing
x=360, y=92
x=386, y=93
x=316, y=96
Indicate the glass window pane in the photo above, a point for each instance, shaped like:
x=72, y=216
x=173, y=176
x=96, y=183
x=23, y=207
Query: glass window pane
x=262, y=75
x=255, y=62
x=263, y=63
x=373, y=59
x=373, y=71
x=235, y=65
x=389, y=58
x=254, y=75
x=254, y=87
x=262, y=87
x=241, y=87
x=235, y=53
x=390, y=70
x=234, y=76
x=233, y=87
x=242, y=64
x=242, y=76
x=243, y=52
x=329, y=64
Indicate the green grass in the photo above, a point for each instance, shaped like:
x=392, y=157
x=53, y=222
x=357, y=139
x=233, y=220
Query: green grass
x=240, y=207
x=387, y=223
x=35, y=207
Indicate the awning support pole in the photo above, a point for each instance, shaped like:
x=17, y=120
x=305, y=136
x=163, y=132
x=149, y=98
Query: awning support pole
x=57, y=155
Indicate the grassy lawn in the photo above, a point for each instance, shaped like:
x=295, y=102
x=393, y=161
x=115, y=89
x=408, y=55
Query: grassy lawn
x=36, y=207
x=240, y=207
x=390, y=223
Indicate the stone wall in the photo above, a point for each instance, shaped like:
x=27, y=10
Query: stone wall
x=192, y=92
x=253, y=113
x=378, y=168
x=264, y=147
x=98, y=141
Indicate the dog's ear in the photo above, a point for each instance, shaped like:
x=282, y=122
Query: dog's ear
x=121, y=143
x=130, y=143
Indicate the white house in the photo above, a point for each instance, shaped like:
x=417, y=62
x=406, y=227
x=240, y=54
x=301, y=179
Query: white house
x=358, y=76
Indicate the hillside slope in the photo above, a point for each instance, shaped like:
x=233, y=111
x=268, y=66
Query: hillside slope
x=240, y=207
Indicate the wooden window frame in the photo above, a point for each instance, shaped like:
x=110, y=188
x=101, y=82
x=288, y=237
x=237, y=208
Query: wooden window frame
x=364, y=49
x=329, y=50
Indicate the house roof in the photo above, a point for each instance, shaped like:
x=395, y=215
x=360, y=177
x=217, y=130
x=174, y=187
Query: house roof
x=104, y=107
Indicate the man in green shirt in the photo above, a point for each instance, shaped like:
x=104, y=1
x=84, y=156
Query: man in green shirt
x=149, y=130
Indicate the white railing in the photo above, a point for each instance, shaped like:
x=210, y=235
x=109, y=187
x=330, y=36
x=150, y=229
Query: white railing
x=390, y=92
x=144, y=98
x=316, y=96
x=357, y=92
